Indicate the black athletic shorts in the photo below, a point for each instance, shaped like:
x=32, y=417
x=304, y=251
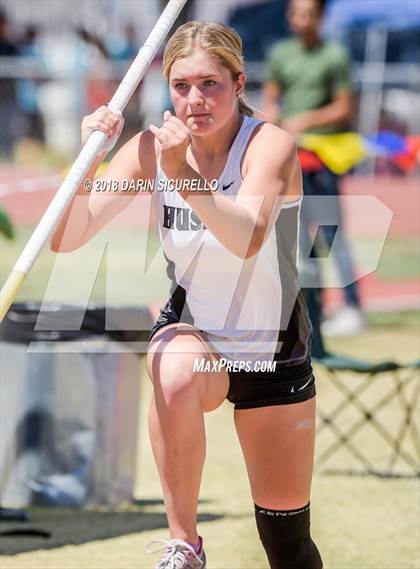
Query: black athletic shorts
x=250, y=389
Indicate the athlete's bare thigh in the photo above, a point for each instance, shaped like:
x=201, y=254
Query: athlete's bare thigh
x=171, y=356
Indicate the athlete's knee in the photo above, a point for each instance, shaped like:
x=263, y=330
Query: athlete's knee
x=285, y=535
x=174, y=378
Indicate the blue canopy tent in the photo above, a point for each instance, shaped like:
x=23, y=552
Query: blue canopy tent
x=349, y=21
x=395, y=14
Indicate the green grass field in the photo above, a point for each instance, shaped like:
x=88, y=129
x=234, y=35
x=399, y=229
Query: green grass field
x=359, y=522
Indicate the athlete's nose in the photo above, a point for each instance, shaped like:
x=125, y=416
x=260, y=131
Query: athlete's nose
x=195, y=96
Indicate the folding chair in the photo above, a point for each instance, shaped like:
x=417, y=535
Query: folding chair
x=361, y=404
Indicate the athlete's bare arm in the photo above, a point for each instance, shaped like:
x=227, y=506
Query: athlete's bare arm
x=91, y=210
x=271, y=169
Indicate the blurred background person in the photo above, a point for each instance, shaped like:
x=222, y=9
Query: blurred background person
x=27, y=89
x=307, y=90
x=9, y=112
x=93, y=54
x=123, y=44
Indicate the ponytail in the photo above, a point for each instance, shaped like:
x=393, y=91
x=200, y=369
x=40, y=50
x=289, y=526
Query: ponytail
x=245, y=108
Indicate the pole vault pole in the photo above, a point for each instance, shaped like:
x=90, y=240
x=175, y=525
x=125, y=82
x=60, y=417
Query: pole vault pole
x=86, y=157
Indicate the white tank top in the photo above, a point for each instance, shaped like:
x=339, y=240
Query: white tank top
x=247, y=309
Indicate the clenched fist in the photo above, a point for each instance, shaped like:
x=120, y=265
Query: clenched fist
x=174, y=139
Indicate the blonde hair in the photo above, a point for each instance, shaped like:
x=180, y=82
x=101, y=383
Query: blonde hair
x=218, y=41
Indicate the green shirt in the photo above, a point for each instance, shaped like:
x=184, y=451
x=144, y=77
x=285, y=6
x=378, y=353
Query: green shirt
x=308, y=78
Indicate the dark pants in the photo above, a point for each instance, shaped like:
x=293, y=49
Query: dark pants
x=323, y=217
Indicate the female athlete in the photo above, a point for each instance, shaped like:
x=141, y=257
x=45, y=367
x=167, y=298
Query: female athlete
x=228, y=191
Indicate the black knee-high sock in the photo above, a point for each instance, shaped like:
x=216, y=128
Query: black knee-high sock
x=286, y=538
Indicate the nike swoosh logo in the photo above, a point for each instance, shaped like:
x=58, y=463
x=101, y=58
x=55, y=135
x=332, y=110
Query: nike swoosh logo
x=307, y=383
x=303, y=386
x=225, y=187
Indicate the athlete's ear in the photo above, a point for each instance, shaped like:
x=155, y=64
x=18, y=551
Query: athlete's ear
x=240, y=83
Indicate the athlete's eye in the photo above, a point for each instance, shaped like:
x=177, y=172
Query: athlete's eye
x=209, y=83
x=180, y=85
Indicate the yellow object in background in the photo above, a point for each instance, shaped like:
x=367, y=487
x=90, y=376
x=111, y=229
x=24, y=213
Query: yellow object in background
x=101, y=169
x=339, y=152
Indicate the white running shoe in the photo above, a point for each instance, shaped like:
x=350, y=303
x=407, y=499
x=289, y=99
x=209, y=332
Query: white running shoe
x=179, y=555
x=348, y=321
